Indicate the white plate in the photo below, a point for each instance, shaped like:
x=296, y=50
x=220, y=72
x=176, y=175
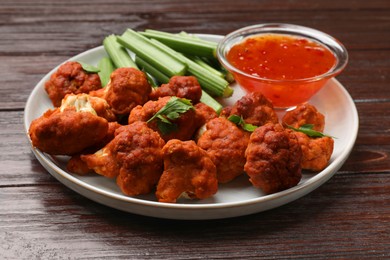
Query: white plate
x=233, y=199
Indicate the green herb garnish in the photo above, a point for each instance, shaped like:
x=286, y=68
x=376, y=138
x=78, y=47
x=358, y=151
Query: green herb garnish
x=170, y=112
x=89, y=68
x=308, y=130
x=238, y=120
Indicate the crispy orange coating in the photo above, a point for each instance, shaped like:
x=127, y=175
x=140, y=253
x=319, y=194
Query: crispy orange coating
x=225, y=143
x=134, y=156
x=70, y=78
x=186, y=123
x=305, y=114
x=316, y=151
x=67, y=132
x=102, y=108
x=226, y=111
x=204, y=113
x=128, y=87
x=78, y=166
x=188, y=171
x=255, y=109
x=273, y=158
x=180, y=86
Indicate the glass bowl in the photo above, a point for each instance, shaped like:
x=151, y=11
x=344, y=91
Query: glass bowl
x=283, y=93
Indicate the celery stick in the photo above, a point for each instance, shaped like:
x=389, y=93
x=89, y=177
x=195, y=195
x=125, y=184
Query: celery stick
x=184, y=44
x=118, y=54
x=158, y=75
x=213, y=84
x=106, y=68
x=181, y=35
x=205, y=65
x=147, y=51
x=211, y=102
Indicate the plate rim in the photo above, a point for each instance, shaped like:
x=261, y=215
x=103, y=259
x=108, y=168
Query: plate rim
x=303, y=188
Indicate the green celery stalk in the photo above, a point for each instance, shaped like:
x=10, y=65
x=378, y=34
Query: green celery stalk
x=205, y=65
x=158, y=75
x=106, y=68
x=211, y=102
x=147, y=51
x=118, y=54
x=213, y=84
x=184, y=44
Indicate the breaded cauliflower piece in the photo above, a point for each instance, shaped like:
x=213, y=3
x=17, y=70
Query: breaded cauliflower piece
x=255, y=109
x=180, y=86
x=71, y=128
x=204, y=113
x=78, y=166
x=188, y=172
x=316, y=151
x=273, y=158
x=186, y=124
x=86, y=102
x=127, y=88
x=70, y=78
x=134, y=157
x=225, y=143
x=304, y=114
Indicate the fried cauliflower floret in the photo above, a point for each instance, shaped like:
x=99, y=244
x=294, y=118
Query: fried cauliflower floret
x=134, y=157
x=67, y=132
x=128, y=87
x=225, y=143
x=204, y=113
x=255, y=109
x=273, y=158
x=78, y=166
x=70, y=78
x=188, y=172
x=304, y=114
x=180, y=86
x=85, y=102
x=316, y=151
x=185, y=125
x=226, y=111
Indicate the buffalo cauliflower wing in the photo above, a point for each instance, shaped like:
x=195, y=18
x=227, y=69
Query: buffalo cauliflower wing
x=255, y=109
x=71, y=128
x=180, y=86
x=188, y=172
x=316, y=151
x=78, y=166
x=70, y=78
x=184, y=126
x=134, y=157
x=273, y=158
x=127, y=88
x=225, y=143
x=304, y=114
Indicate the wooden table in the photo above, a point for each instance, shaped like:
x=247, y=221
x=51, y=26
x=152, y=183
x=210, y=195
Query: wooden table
x=348, y=217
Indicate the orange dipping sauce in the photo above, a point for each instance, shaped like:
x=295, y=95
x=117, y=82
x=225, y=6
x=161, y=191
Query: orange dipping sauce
x=284, y=62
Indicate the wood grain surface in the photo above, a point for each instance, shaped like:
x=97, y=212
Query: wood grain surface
x=346, y=218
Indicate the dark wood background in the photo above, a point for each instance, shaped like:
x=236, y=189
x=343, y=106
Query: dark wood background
x=348, y=217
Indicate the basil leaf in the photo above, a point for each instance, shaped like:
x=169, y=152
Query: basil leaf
x=308, y=130
x=166, y=128
x=239, y=121
x=235, y=119
x=172, y=111
x=89, y=68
